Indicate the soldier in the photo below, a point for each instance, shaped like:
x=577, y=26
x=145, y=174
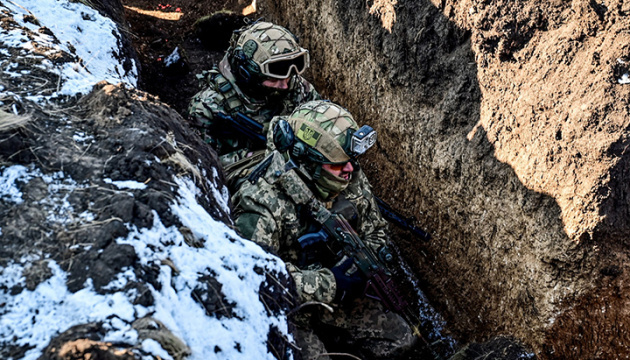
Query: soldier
x=314, y=172
x=259, y=77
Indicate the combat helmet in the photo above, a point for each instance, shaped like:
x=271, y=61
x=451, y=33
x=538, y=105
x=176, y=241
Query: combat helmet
x=321, y=132
x=264, y=50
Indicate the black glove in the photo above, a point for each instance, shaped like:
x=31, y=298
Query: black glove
x=350, y=283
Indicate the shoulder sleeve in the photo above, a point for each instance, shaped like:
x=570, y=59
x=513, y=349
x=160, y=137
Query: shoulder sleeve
x=204, y=105
x=254, y=219
x=256, y=209
x=201, y=113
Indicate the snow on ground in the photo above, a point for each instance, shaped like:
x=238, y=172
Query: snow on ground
x=35, y=317
x=92, y=38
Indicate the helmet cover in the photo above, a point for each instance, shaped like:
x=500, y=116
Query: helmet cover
x=325, y=127
x=263, y=43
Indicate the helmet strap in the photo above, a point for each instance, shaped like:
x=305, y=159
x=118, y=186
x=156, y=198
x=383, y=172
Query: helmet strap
x=317, y=173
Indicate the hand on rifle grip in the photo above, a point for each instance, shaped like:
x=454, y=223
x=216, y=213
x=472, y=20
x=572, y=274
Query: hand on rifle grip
x=350, y=284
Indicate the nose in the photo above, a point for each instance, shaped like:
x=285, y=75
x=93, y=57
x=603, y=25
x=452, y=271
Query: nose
x=348, y=167
x=283, y=83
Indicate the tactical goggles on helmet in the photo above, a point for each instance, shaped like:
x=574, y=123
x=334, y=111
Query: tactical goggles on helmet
x=281, y=66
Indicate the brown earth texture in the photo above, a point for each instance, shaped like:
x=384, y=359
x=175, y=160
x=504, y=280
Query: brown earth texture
x=503, y=129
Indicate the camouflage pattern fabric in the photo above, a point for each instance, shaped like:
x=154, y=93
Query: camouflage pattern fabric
x=222, y=95
x=366, y=327
x=323, y=126
x=311, y=346
x=267, y=215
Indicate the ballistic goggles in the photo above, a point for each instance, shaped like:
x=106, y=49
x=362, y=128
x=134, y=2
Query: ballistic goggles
x=281, y=66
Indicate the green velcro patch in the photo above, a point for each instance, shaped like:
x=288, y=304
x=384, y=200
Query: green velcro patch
x=308, y=135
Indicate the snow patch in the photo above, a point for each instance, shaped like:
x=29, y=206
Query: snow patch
x=126, y=184
x=8, y=187
x=34, y=317
x=92, y=39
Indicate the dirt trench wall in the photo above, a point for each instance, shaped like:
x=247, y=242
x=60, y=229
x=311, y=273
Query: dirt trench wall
x=503, y=127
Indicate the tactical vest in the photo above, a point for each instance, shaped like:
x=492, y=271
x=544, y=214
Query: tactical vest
x=231, y=100
x=233, y=104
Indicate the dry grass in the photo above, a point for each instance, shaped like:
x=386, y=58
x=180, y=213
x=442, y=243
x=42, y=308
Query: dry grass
x=180, y=160
x=386, y=11
x=10, y=121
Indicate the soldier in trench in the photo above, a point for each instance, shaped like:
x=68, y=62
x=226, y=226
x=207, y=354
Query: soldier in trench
x=313, y=167
x=259, y=77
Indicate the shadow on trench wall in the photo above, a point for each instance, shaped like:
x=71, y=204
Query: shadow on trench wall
x=500, y=262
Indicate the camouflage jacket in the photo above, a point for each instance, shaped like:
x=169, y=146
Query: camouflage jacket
x=222, y=95
x=271, y=214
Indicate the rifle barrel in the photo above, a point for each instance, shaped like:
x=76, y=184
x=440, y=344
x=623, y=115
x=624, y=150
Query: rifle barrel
x=395, y=217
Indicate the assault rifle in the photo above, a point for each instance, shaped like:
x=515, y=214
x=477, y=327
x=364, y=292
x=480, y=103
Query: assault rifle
x=254, y=131
x=395, y=217
x=342, y=239
x=244, y=125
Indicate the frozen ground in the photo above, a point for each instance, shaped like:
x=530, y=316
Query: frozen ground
x=89, y=43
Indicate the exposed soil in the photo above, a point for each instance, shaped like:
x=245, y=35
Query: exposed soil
x=503, y=127
x=156, y=35
x=71, y=213
x=201, y=46
x=501, y=124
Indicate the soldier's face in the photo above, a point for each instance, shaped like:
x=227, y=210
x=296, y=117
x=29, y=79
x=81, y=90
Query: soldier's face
x=281, y=84
x=341, y=170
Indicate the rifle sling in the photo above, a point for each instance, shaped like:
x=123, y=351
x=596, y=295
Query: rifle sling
x=299, y=192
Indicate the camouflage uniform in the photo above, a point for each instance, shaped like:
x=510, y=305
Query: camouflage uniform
x=222, y=93
x=270, y=212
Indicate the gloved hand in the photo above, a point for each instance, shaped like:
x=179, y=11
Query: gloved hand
x=350, y=283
